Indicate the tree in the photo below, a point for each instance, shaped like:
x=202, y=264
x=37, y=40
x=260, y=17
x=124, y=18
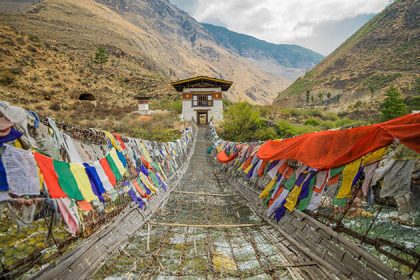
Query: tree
x=101, y=56
x=308, y=96
x=372, y=92
x=241, y=121
x=320, y=95
x=393, y=105
x=328, y=95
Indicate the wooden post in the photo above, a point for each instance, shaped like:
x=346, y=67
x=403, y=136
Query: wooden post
x=148, y=237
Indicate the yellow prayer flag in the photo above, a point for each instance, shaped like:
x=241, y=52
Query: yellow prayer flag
x=349, y=172
x=112, y=139
x=118, y=163
x=373, y=156
x=268, y=188
x=82, y=180
x=292, y=198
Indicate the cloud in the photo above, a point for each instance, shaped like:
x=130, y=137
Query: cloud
x=329, y=35
x=278, y=21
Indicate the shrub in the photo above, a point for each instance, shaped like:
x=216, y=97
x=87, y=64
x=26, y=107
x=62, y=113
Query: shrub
x=177, y=106
x=101, y=56
x=327, y=125
x=313, y=113
x=240, y=123
x=6, y=77
x=16, y=70
x=34, y=38
x=302, y=129
x=358, y=104
x=156, y=134
x=265, y=133
x=55, y=106
x=393, y=105
x=331, y=116
x=227, y=103
x=290, y=112
x=413, y=103
x=346, y=122
x=312, y=121
x=166, y=104
x=285, y=129
x=265, y=111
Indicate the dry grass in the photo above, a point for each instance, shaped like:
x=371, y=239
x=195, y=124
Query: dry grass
x=36, y=71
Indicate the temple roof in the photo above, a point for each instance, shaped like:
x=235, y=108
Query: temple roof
x=201, y=82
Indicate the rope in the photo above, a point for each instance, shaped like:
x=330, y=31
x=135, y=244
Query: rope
x=206, y=226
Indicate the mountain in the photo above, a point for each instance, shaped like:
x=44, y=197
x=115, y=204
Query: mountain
x=13, y=6
x=47, y=48
x=291, y=56
x=383, y=53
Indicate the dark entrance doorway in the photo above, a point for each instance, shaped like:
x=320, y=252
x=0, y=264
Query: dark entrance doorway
x=202, y=117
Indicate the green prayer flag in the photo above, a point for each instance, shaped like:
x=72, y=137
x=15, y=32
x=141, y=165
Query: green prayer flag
x=335, y=171
x=266, y=168
x=154, y=179
x=141, y=184
x=66, y=180
x=305, y=202
x=290, y=183
x=113, y=167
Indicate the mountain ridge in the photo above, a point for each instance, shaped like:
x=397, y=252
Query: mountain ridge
x=151, y=43
x=288, y=55
x=137, y=54
x=380, y=54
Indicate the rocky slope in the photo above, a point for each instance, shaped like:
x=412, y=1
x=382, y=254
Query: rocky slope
x=46, y=53
x=384, y=52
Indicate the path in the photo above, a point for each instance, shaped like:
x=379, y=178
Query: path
x=241, y=246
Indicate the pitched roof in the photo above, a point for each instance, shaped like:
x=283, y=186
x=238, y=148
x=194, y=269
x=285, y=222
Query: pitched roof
x=201, y=82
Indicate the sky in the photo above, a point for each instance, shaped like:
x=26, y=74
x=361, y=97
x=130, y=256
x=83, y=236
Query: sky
x=320, y=25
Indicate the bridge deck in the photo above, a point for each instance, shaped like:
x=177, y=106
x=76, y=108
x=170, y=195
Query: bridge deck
x=207, y=231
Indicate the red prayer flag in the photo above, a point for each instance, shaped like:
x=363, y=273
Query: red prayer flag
x=107, y=169
x=46, y=166
x=330, y=149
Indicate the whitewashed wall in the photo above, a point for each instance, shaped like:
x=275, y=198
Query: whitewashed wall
x=215, y=113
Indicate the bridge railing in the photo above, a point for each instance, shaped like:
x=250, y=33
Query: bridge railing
x=386, y=228
x=36, y=229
